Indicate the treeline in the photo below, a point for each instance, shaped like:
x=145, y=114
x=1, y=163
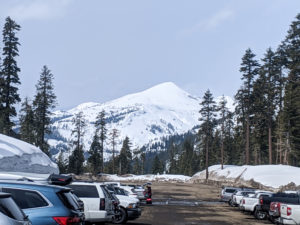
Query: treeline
x=34, y=115
x=265, y=125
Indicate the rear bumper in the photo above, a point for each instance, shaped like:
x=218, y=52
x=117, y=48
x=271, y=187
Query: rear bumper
x=286, y=221
x=134, y=213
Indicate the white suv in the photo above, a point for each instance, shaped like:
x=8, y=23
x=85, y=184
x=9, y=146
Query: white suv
x=98, y=206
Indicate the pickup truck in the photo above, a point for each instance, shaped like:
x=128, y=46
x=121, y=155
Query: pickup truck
x=238, y=196
x=250, y=204
x=290, y=214
x=265, y=201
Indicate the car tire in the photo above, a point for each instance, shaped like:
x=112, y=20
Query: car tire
x=260, y=215
x=121, y=217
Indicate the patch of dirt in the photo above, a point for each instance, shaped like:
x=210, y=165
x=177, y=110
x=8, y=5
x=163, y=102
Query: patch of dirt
x=204, y=214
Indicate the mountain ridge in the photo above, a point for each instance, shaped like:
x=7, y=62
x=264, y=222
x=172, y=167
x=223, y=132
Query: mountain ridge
x=145, y=117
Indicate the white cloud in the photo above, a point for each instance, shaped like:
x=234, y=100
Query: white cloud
x=210, y=23
x=37, y=9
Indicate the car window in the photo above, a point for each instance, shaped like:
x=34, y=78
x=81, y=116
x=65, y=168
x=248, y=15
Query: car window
x=85, y=191
x=10, y=209
x=68, y=200
x=26, y=199
x=230, y=190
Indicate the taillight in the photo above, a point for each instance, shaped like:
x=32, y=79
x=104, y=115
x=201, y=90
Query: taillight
x=288, y=211
x=244, y=201
x=102, y=203
x=278, y=207
x=65, y=220
x=261, y=201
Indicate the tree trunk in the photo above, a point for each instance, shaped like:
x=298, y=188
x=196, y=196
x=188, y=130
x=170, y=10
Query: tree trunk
x=206, y=160
x=247, y=141
x=270, y=145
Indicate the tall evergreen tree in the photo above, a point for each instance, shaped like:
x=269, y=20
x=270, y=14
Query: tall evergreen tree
x=292, y=94
x=223, y=111
x=9, y=76
x=157, y=165
x=270, y=71
x=281, y=61
x=27, y=123
x=61, y=163
x=76, y=159
x=95, y=158
x=208, y=118
x=249, y=69
x=125, y=157
x=113, y=138
x=43, y=103
x=101, y=128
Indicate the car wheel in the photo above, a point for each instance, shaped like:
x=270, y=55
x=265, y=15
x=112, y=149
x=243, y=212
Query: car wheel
x=230, y=202
x=260, y=215
x=120, y=217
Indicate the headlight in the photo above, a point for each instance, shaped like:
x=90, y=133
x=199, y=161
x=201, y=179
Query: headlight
x=131, y=206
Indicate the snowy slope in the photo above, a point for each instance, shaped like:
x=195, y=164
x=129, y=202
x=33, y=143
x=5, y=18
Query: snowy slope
x=19, y=156
x=273, y=176
x=144, y=117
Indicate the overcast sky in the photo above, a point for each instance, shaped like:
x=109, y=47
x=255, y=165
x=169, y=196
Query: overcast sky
x=101, y=50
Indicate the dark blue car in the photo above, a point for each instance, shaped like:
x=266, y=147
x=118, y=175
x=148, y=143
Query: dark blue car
x=45, y=204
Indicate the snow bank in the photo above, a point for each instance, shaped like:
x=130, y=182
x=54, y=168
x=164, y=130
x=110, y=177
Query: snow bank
x=149, y=178
x=273, y=176
x=19, y=156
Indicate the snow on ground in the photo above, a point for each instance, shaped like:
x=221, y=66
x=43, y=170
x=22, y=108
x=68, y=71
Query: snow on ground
x=19, y=156
x=149, y=178
x=273, y=176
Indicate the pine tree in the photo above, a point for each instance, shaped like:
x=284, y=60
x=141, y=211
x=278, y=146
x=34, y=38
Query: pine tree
x=281, y=61
x=223, y=111
x=143, y=160
x=249, y=69
x=208, y=114
x=95, y=158
x=43, y=103
x=61, y=163
x=270, y=70
x=157, y=166
x=125, y=157
x=292, y=94
x=9, y=78
x=101, y=127
x=27, y=123
x=113, y=136
x=76, y=159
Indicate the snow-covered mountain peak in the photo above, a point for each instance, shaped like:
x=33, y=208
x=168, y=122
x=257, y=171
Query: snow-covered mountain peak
x=145, y=117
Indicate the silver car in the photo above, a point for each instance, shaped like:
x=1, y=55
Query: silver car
x=10, y=213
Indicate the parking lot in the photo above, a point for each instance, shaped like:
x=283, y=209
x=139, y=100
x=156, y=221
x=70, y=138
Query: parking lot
x=189, y=204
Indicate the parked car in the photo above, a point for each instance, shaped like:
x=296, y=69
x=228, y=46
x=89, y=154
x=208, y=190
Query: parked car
x=289, y=214
x=250, y=204
x=227, y=192
x=10, y=213
x=130, y=191
x=44, y=204
x=98, y=207
x=238, y=196
x=265, y=201
x=129, y=207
